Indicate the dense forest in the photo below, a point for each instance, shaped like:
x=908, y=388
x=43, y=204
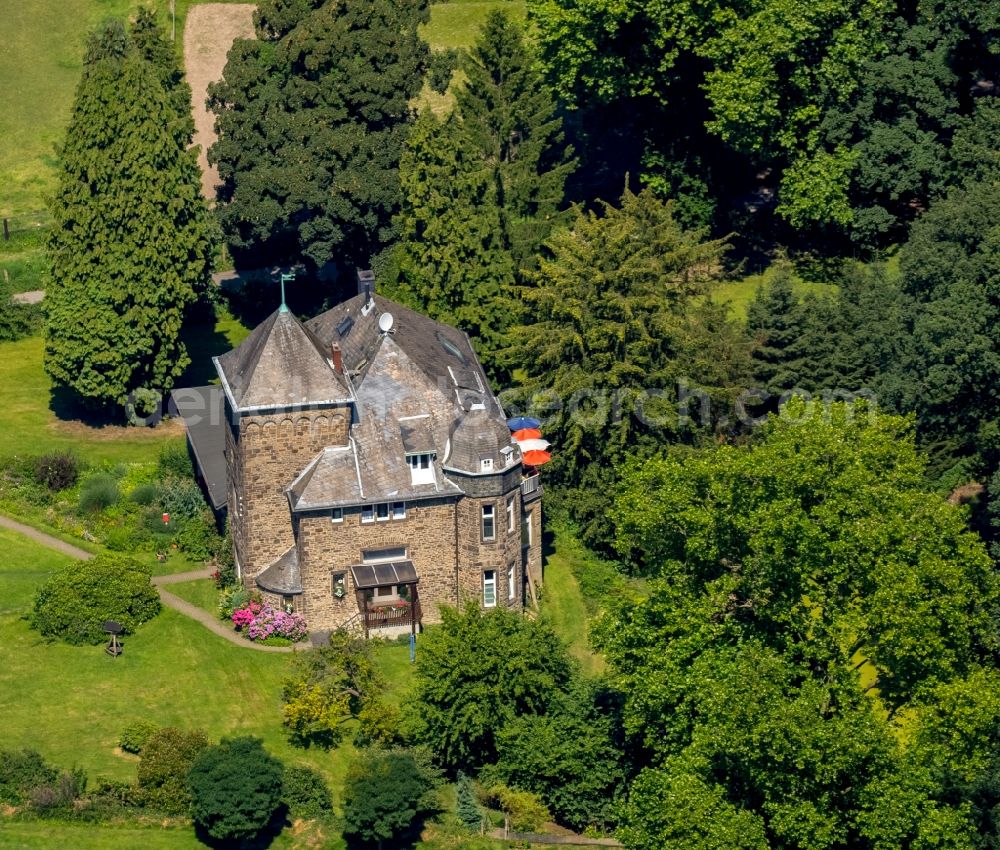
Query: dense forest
x=806, y=493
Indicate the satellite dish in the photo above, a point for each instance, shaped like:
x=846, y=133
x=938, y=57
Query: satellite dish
x=385, y=322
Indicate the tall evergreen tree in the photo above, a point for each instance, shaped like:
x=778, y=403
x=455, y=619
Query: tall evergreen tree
x=508, y=117
x=312, y=116
x=132, y=244
x=151, y=42
x=777, y=320
x=607, y=330
x=452, y=261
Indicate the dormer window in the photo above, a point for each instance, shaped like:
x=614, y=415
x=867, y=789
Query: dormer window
x=421, y=468
x=486, y=464
x=507, y=453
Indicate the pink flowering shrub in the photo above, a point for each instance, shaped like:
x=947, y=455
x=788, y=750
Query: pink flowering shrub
x=259, y=621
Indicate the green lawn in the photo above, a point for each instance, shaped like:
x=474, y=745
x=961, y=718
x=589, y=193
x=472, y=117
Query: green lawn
x=29, y=426
x=71, y=703
x=456, y=24
x=739, y=293
x=201, y=592
x=40, y=65
x=46, y=835
x=563, y=604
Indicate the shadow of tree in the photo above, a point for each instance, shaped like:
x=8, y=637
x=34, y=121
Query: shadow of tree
x=264, y=839
x=203, y=341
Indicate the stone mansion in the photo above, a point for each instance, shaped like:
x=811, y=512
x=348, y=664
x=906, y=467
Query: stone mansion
x=366, y=468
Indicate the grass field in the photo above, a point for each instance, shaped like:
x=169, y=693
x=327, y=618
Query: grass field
x=201, y=592
x=456, y=24
x=739, y=293
x=564, y=608
x=30, y=426
x=71, y=703
x=40, y=65
x=46, y=835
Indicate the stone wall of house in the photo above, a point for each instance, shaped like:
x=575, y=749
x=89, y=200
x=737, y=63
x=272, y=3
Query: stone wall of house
x=531, y=541
x=327, y=548
x=266, y=456
x=477, y=555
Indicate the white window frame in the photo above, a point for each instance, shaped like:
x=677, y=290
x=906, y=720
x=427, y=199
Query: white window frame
x=488, y=513
x=421, y=468
x=526, y=528
x=486, y=464
x=379, y=508
x=398, y=510
x=337, y=515
x=489, y=584
x=510, y=582
x=367, y=514
x=511, y=515
x=507, y=453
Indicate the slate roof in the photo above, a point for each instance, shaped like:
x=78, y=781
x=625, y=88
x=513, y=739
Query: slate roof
x=479, y=435
x=203, y=412
x=417, y=389
x=435, y=348
x=284, y=575
x=280, y=364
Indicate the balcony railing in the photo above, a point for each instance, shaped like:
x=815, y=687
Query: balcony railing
x=384, y=616
x=529, y=485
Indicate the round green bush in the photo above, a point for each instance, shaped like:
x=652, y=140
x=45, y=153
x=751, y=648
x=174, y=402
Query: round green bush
x=97, y=493
x=306, y=793
x=167, y=757
x=136, y=734
x=73, y=605
x=385, y=795
x=144, y=494
x=235, y=789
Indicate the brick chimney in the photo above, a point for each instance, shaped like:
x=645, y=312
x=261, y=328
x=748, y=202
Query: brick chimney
x=337, y=356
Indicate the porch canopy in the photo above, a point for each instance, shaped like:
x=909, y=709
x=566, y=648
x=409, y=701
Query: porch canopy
x=381, y=575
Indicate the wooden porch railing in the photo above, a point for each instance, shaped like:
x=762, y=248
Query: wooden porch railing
x=380, y=617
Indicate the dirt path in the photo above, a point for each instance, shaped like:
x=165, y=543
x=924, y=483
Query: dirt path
x=210, y=31
x=166, y=597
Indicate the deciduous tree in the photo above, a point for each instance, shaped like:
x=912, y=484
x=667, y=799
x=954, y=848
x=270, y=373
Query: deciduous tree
x=782, y=570
x=476, y=673
x=329, y=686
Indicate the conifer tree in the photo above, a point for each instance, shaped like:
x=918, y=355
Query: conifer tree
x=151, y=41
x=468, y=810
x=132, y=244
x=509, y=118
x=453, y=264
x=778, y=321
x=312, y=116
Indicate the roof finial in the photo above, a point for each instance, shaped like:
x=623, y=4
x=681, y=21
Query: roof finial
x=289, y=276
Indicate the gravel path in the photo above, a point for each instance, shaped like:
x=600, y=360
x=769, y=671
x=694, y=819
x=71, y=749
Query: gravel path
x=166, y=597
x=45, y=539
x=210, y=31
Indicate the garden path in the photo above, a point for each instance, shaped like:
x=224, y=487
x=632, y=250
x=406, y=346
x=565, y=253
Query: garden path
x=166, y=597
